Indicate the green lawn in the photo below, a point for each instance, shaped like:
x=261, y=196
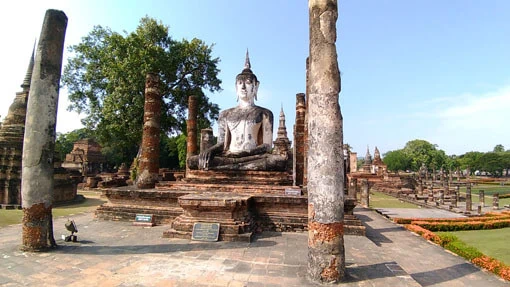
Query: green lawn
x=493, y=242
x=489, y=190
x=91, y=202
x=381, y=200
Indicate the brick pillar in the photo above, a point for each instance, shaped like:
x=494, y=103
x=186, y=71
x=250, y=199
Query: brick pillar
x=326, y=254
x=306, y=144
x=441, y=196
x=495, y=201
x=206, y=139
x=148, y=168
x=481, y=198
x=191, y=126
x=469, y=203
x=299, y=140
x=365, y=193
x=39, y=140
x=420, y=187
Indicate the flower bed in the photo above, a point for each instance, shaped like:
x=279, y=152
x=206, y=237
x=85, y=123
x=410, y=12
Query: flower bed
x=452, y=243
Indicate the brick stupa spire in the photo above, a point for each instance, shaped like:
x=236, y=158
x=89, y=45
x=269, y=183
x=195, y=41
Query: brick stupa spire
x=282, y=142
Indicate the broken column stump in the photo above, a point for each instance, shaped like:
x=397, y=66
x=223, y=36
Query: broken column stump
x=469, y=203
x=192, y=130
x=148, y=168
x=365, y=194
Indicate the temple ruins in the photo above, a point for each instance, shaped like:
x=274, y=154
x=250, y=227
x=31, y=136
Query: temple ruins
x=246, y=181
x=85, y=158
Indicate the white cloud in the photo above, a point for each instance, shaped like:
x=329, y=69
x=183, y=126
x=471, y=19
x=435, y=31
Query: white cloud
x=487, y=111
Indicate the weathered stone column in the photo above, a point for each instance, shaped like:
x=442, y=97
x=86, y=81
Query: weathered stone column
x=148, y=168
x=353, y=186
x=446, y=187
x=326, y=254
x=469, y=203
x=365, y=193
x=453, y=198
x=299, y=140
x=39, y=140
x=420, y=187
x=441, y=196
x=191, y=126
x=481, y=198
x=206, y=139
x=431, y=192
x=495, y=201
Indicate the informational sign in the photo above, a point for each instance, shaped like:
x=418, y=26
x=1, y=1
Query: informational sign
x=144, y=220
x=292, y=191
x=203, y=231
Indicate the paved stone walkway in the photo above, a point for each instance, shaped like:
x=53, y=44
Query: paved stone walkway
x=418, y=213
x=120, y=254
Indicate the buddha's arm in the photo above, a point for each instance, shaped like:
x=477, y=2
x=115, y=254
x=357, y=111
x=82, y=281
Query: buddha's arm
x=267, y=126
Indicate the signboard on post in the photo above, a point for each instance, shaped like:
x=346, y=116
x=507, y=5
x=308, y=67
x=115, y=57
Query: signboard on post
x=204, y=231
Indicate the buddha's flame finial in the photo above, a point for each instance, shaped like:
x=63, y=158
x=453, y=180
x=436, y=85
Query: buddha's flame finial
x=247, y=64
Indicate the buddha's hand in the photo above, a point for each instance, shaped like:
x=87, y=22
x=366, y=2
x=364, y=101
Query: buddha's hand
x=203, y=159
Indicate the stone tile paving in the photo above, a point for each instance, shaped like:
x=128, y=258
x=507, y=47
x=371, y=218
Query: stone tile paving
x=418, y=213
x=120, y=254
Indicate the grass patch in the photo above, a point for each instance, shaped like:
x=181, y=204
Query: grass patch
x=492, y=242
x=488, y=189
x=381, y=200
x=91, y=202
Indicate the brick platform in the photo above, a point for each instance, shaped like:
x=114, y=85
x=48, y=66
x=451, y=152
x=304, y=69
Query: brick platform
x=177, y=202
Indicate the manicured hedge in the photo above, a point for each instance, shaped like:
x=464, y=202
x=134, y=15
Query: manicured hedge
x=488, y=221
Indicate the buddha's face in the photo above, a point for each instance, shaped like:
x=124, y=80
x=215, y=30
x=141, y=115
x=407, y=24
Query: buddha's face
x=246, y=88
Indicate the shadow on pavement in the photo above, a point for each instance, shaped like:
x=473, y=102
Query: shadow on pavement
x=430, y=278
x=369, y=272
x=376, y=235
x=77, y=248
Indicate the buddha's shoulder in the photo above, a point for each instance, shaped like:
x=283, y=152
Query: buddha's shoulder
x=264, y=110
x=237, y=110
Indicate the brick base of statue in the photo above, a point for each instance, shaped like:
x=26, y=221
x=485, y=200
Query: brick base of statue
x=270, y=207
x=230, y=210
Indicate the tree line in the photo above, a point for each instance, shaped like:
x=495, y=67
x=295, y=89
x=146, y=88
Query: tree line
x=418, y=152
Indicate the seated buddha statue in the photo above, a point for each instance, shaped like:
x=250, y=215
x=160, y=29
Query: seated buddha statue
x=245, y=133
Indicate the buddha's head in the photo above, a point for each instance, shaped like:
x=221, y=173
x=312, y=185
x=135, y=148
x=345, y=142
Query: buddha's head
x=246, y=83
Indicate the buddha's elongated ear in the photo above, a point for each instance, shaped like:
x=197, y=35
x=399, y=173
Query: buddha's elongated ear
x=256, y=88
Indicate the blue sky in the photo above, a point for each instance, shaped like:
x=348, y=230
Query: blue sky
x=434, y=70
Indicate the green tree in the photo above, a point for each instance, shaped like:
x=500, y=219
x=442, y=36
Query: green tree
x=421, y=151
x=470, y=160
x=506, y=161
x=499, y=148
x=105, y=77
x=492, y=162
x=397, y=160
